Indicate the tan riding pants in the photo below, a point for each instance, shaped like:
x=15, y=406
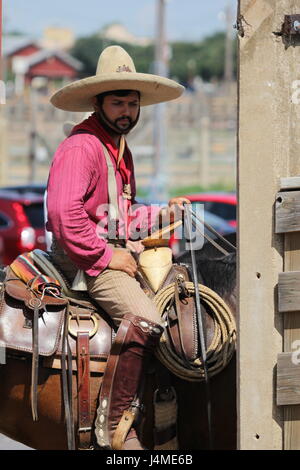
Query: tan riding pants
x=116, y=292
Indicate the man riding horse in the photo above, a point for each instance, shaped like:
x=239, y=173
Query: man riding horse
x=92, y=174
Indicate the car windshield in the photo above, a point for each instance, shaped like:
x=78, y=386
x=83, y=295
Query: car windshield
x=35, y=214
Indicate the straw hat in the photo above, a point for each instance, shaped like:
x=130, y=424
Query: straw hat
x=115, y=71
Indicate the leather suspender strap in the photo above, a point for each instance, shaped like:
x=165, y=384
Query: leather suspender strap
x=83, y=398
x=112, y=183
x=112, y=186
x=121, y=149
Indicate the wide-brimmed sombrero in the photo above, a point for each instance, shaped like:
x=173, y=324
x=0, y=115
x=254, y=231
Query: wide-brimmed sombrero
x=115, y=71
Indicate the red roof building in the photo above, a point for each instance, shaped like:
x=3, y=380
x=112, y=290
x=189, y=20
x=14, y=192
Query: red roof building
x=27, y=59
x=52, y=65
x=20, y=48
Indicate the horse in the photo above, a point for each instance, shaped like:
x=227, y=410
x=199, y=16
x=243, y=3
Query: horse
x=49, y=431
x=218, y=273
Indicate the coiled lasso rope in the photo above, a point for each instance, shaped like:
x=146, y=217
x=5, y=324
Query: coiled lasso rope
x=222, y=346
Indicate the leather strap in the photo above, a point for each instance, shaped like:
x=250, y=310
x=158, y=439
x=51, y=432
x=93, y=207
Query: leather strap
x=35, y=359
x=67, y=382
x=123, y=428
x=182, y=331
x=180, y=320
x=121, y=149
x=83, y=398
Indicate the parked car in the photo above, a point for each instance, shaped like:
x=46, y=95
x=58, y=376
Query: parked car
x=26, y=188
x=1, y=251
x=219, y=203
x=21, y=223
x=29, y=189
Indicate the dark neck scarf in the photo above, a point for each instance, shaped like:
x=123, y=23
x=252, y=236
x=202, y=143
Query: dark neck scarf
x=93, y=126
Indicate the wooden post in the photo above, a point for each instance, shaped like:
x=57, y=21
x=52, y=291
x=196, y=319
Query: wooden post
x=1, y=71
x=268, y=150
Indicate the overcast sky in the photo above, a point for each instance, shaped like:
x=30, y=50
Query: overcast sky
x=186, y=19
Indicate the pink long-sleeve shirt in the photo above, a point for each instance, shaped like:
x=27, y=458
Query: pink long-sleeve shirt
x=77, y=188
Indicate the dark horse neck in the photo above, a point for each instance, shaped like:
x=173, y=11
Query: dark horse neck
x=216, y=271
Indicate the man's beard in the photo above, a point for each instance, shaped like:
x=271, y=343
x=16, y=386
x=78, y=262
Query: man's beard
x=114, y=126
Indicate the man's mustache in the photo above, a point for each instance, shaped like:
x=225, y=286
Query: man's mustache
x=128, y=118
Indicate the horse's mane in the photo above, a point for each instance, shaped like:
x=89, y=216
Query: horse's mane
x=217, y=273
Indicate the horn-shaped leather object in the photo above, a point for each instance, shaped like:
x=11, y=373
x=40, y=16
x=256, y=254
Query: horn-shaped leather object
x=155, y=264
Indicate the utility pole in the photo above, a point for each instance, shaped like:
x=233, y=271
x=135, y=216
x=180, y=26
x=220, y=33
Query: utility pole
x=159, y=177
x=34, y=135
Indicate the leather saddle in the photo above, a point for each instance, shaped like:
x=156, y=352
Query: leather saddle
x=39, y=327
x=17, y=307
x=16, y=319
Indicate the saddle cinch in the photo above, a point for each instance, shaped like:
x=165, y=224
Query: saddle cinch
x=71, y=332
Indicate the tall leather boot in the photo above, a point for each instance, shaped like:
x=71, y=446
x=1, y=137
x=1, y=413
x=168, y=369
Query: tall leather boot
x=134, y=344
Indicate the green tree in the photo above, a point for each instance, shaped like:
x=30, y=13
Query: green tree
x=204, y=58
x=86, y=49
x=207, y=58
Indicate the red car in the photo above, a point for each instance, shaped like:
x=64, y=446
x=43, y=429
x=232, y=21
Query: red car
x=221, y=204
x=21, y=224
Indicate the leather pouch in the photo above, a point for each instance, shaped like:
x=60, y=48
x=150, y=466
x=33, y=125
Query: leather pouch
x=16, y=321
x=16, y=317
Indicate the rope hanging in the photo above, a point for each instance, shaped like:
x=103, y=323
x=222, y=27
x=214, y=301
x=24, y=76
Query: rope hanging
x=222, y=346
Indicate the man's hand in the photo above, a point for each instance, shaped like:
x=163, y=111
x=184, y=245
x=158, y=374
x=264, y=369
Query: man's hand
x=135, y=246
x=176, y=203
x=123, y=261
x=174, y=210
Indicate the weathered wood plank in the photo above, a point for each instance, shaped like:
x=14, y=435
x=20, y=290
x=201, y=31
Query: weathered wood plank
x=288, y=378
x=287, y=212
x=292, y=182
x=289, y=291
x=291, y=334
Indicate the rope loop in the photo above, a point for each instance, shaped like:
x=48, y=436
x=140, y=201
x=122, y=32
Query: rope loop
x=223, y=343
